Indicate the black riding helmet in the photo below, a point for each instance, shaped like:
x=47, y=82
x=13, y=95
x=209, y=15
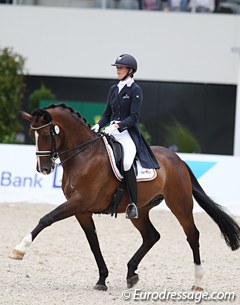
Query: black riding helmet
x=126, y=60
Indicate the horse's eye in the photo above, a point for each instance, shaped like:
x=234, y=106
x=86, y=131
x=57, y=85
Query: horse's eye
x=46, y=137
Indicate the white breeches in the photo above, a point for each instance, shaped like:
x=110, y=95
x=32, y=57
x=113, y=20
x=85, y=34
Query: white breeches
x=129, y=148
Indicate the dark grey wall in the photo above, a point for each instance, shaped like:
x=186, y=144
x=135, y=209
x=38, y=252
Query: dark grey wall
x=207, y=110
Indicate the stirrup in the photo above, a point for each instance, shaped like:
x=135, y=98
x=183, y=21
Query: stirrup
x=131, y=211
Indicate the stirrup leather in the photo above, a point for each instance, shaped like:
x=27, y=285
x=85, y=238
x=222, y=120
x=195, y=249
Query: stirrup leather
x=128, y=210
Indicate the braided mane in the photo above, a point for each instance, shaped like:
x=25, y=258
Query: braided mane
x=43, y=112
x=64, y=106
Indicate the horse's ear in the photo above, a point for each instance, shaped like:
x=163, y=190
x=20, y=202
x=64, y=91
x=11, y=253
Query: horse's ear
x=26, y=116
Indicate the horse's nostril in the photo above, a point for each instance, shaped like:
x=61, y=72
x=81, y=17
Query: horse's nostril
x=46, y=170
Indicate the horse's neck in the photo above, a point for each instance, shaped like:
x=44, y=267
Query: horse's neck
x=78, y=153
x=76, y=135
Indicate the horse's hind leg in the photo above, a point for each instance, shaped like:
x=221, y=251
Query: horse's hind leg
x=192, y=234
x=183, y=213
x=88, y=227
x=150, y=236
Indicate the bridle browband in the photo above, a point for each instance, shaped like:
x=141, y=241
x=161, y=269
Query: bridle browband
x=53, y=153
x=40, y=127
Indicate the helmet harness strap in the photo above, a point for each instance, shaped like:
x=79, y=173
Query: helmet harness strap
x=129, y=73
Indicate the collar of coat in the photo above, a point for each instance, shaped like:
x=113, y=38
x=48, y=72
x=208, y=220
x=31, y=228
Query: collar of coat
x=129, y=81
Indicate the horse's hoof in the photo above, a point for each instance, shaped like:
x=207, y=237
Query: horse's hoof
x=196, y=288
x=132, y=281
x=100, y=287
x=16, y=254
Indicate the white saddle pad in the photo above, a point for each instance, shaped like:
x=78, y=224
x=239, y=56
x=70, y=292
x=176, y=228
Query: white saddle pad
x=144, y=174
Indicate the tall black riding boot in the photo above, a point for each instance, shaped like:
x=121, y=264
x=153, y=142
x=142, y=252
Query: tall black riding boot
x=131, y=183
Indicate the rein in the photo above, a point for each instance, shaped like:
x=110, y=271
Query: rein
x=81, y=147
x=54, y=154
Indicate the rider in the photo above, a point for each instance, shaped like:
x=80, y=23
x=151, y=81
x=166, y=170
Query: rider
x=122, y=111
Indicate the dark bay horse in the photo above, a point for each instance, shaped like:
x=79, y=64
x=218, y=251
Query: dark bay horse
x=89, y=185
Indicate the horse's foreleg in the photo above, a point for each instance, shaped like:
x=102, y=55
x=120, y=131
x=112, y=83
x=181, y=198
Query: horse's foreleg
x=89, y=229
x=150, y=236
x=63, y=211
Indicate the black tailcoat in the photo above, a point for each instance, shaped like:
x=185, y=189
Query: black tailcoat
x=125, y=107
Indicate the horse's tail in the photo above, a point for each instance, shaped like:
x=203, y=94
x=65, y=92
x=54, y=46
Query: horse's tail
x=227, y=225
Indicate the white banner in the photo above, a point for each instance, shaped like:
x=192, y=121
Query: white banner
x=20, y=182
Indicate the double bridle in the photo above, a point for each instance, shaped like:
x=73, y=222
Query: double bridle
x=53, y=154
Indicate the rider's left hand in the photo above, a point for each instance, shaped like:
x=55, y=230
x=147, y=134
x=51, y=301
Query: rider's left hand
x=110, y=129
x=95, y=128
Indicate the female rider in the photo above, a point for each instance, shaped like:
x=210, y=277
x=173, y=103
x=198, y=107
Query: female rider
x=122, y=111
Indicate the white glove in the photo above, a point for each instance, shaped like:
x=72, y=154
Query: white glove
x=109, y=130
x=95, y=128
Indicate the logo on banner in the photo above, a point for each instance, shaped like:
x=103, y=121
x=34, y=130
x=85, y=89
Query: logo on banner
x=200, y=168
x=8, y=179
x=57, y=179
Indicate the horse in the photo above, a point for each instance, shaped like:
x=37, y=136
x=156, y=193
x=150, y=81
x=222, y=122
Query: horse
x=89, y=184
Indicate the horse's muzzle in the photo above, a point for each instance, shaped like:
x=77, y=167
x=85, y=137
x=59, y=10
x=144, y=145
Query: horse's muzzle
x=46, y=168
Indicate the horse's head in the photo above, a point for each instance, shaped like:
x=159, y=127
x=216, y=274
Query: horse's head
x=44, y=134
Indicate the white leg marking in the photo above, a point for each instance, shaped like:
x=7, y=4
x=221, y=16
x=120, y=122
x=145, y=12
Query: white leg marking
x=26, y=242
x=198, y=275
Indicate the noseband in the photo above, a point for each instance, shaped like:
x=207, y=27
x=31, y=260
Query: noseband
x=53, y=154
